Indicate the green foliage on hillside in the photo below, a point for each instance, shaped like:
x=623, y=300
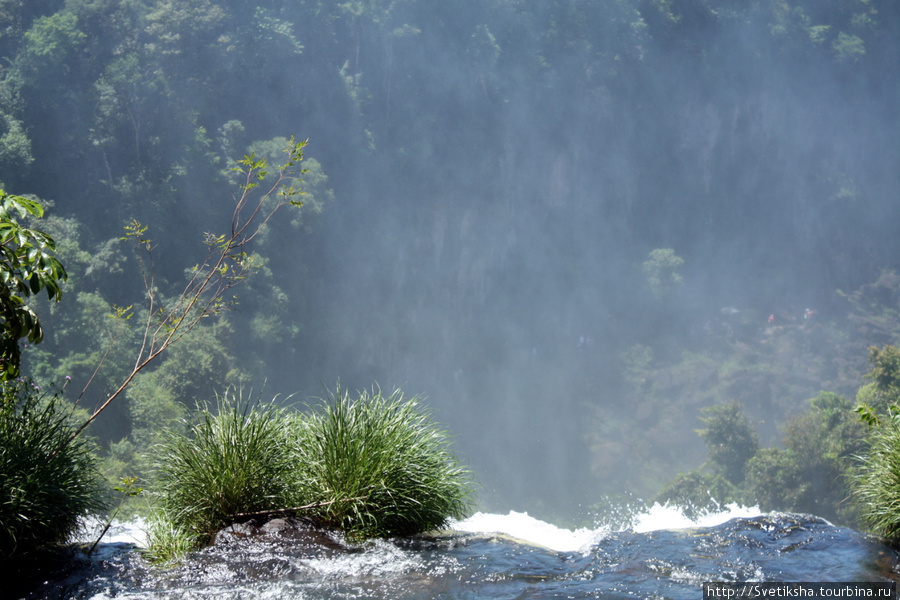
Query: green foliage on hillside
x=511, y=176
x=730, y=440
x=808, y=472
x=883, y=391
x=837, y=459
x=662, y=272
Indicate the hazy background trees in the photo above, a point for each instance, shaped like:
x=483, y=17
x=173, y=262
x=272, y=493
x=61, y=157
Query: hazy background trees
x=489, y=180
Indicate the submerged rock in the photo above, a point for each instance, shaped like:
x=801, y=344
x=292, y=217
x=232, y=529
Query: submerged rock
x=297, y=535
x=286, y=549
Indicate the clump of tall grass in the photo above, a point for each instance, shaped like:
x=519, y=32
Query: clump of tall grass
x=373, y=466
x=48, y=481
x=875, y=480
x=167, y=542
x=377, y=466
x=231, y=461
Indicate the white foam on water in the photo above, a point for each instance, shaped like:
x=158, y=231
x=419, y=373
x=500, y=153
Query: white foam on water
x=521, y=526
x=381, y=560
x=127, y=532
x=133, y=531
x=664, y=516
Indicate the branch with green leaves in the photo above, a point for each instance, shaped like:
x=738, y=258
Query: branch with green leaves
x=226, y=264
x=27, y=266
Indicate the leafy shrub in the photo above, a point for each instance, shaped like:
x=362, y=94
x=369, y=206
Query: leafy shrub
x=774, y=479
x=698, y=492
x=730, y=439
x=808, y=474
x=231, y=461
x=47, y=483
x=378, y=466
x=823, y=441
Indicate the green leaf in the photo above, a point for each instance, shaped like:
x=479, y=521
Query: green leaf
x=25, y=269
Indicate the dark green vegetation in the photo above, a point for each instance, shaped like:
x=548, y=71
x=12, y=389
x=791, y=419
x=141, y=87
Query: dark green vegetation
x=231, y=461
x=566, y=222
x=46, y=485
x=807, y=472
x=838, y=459
x=50, y=481
x=875, y=479
x=377, y=465
x=370, y=466
x=27, y=266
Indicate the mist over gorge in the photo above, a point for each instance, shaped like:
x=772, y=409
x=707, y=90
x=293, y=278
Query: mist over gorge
x=490, y=179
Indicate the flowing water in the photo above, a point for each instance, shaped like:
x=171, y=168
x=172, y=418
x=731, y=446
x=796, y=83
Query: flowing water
x=660, y=554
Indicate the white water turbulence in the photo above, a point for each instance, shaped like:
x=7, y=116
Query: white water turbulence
x=659, y=553
x=522, y=527
x=665, y=516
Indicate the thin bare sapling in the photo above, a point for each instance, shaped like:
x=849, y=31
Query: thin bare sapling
x=226, y=264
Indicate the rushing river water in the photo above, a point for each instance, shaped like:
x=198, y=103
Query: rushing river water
x=660, y=554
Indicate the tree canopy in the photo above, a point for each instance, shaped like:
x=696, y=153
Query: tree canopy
x=487, y=180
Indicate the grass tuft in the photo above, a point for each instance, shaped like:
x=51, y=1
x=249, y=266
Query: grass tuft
x=232, y=461
x=46, y=485
x=166, y=542
x=373, y=466
x=875, y=481
x=378, y=466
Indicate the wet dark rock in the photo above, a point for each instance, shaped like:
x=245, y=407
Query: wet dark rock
x=263, y=548
x=296, y=535
x=236, y=531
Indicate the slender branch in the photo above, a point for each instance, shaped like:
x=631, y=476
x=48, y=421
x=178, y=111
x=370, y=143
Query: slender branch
x=149, y=283
x=109, y=400
x=202, y=296
x=109, y=347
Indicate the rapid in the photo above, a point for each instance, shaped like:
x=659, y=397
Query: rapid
x=659, y=553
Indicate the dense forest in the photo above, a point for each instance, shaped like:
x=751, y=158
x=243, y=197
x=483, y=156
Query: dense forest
x=571, y=225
